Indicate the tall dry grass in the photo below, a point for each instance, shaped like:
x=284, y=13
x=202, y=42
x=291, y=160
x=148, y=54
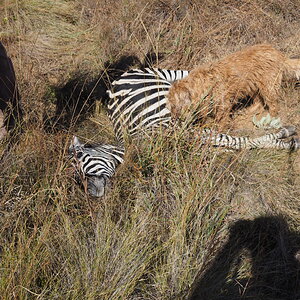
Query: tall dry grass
x=166, y=228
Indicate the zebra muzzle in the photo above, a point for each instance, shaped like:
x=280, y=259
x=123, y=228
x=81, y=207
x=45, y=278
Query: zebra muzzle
x=96, y=185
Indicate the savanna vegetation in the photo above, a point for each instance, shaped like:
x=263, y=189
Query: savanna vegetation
x=179, y=221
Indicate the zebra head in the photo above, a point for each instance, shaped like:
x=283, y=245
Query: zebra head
x=95, y=164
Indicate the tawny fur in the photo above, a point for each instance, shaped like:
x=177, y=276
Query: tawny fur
x=214, y=89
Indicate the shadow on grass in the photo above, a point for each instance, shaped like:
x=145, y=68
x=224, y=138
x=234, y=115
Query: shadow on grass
x=76, y=99
x=274, y=256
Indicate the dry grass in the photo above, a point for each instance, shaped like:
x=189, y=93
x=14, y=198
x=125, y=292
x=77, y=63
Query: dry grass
x=167, y=228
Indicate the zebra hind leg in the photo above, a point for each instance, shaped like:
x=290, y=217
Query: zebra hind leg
x=275, y=140
x=267, y=141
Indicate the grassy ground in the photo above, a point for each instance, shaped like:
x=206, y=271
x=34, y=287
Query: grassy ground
x=180, y=221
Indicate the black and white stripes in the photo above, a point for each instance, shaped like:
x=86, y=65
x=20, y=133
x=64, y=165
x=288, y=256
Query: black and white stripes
x=138, y=100
x=96, y=163
x=267, y=141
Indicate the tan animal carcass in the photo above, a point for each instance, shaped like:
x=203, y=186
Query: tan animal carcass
x=215, y=89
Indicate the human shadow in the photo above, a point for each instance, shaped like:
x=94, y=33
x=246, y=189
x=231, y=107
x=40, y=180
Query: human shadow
x=273, y=251
x=75, y=100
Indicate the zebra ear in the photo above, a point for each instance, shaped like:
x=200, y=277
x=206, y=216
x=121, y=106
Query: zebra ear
x=75, y=141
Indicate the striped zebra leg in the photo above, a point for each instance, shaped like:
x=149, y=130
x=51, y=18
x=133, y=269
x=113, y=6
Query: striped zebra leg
x=268, y=141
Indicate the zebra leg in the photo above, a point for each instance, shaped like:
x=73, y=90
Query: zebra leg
x=274, y=140
x=209, y=136
x=268, y=141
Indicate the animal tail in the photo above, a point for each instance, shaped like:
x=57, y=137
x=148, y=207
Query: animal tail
x=293, y=68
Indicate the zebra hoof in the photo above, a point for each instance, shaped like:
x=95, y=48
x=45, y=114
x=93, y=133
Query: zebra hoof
x=288, y=131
